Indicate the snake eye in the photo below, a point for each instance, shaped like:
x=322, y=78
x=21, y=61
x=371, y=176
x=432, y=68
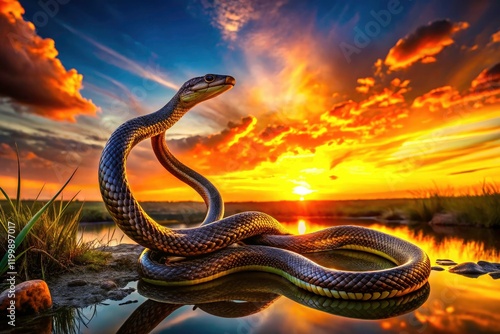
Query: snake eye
x=209, y=78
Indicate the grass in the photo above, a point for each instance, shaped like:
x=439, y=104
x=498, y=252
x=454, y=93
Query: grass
x=479, y=207
x=52, y=245
x=46, y=236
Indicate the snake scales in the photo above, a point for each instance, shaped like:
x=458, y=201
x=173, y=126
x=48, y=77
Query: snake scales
x=207, y=246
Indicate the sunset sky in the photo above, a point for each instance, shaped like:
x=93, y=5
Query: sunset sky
x=333, y=99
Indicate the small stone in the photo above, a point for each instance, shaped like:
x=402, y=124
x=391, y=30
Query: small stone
x=30, y=297
x=445, y=219
x=446, y=262
x=495, y=275
x=77, y=282
x=468, y=268
x=108, y=285
x=489, y=266
x=120, y=294
x=437, y=268
x=93, y=299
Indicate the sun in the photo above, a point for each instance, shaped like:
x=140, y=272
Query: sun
x=302, y=191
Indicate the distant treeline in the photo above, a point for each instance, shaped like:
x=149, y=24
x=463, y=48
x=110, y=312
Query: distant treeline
x=480, y=209
x=191, y=212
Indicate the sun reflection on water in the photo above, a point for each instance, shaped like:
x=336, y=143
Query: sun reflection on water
x=301, y=226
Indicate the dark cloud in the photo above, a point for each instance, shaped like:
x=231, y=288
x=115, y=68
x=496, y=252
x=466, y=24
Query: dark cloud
x=41, y=153
x=32, y=75
x=468, y=171
x=423, y=44
x=488, y=79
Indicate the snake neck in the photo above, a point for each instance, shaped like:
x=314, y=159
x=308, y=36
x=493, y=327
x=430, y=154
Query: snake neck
x=115, y=189
x=208, y=192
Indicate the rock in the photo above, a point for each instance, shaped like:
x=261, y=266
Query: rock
x=446, y=262
x=445, y=219
x=495, y=275
x=108, y=285
x=77, y=282
x=468, y=268
x=30, y=297
x=489, y=266
x=120, y=294
x=437, y=268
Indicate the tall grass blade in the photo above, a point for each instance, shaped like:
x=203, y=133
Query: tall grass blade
x=7, y=198
x=18, y=201
x=22, y=235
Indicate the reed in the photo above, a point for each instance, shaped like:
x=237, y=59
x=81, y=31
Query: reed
x=479, y=206
x=46, y=236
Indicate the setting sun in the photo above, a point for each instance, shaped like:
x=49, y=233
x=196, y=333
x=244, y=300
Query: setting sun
x=302, y=190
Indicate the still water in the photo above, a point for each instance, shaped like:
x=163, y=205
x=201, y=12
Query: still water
x=454, y=304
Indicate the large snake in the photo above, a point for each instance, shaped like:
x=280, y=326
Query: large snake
x=207, y=246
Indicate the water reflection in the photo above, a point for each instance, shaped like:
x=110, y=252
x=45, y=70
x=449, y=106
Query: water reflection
x=244, y=294
x=456, y=304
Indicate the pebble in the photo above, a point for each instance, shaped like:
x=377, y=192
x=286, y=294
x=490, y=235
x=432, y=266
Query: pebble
x=77, y=282
x=30, y=297
x=108, y=285
x=446, y=262
x=495, y=275
x=120, y=294
x=468, y=268
x=489, y=266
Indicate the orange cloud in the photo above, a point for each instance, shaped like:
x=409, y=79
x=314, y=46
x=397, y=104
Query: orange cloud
x=441, y=97
x=484, y=89
x=32, y=76
x=487, y=79
x=423, y=44
x=365, y=84
x=495, y=38
x=386, y=98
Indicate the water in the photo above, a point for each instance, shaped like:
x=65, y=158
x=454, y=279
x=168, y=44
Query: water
x=455, y=304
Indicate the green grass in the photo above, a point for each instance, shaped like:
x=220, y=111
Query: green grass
x=46, y=235
x=52, y=245
x=480, y=207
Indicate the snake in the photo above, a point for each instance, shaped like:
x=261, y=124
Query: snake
x=211, y=250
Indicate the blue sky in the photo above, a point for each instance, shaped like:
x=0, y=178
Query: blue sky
x=333, y=99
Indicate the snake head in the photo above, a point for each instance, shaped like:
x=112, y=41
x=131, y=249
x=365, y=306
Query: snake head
x=203, y=88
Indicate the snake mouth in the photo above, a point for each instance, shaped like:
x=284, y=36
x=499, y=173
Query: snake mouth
x=211, y=86
x=216, y=82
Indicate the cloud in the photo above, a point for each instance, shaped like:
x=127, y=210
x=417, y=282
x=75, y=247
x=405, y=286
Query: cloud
x=423, y=44
x=231, y=16
x=32, y=75
x=442, y=97
x=495, y=38
x=488, y=79
x=484, y=89
x=365, y=84
x=469, y=171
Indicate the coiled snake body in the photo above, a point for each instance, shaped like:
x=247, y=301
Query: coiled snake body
x=207, y=246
